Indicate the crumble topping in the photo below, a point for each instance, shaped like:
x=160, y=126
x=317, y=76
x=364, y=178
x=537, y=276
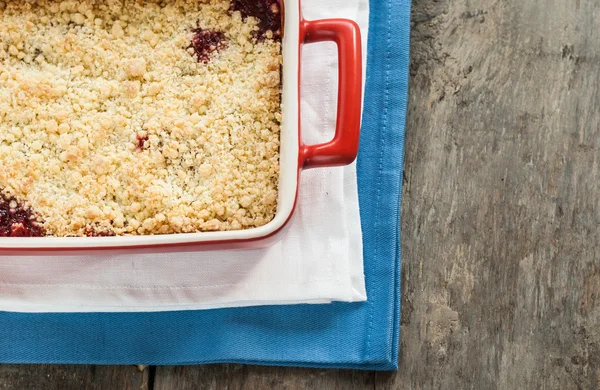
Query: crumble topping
x=137, y=117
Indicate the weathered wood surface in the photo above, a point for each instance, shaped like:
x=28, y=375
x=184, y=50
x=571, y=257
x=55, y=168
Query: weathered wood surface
x=501, y=232
x=501, y=209
x=51, y=377
x=252, y=377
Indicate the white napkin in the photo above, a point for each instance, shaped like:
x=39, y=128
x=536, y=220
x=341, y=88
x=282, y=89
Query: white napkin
x=319, y=259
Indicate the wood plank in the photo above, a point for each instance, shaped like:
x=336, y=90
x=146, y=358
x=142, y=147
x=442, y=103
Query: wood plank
x=500, y=214
x=235, y=376
x=67, y=377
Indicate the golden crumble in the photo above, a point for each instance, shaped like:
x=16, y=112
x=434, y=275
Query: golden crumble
x=138, y=117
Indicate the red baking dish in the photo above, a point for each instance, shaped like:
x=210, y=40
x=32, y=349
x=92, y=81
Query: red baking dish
x=294, y=154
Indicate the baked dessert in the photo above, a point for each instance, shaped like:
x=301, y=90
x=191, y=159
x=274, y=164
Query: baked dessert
x=138, y=117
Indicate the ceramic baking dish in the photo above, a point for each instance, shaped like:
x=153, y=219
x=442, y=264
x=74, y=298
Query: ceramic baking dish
x=294, y=154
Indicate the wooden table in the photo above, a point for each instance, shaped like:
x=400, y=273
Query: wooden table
x=501, y=215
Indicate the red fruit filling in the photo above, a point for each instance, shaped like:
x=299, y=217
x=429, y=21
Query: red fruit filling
x=140, y=140
x=268, y=13
x=16, y=220
x=204, y=42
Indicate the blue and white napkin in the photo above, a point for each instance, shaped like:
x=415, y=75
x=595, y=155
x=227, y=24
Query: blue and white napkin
x=318, y=260
x=338, y=335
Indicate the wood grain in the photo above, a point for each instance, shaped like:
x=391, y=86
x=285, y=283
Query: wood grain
x=500, y=215
x=235, y=376
x=501, y=275
x=70, y=377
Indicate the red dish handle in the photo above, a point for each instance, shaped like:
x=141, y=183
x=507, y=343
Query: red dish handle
x=343, y=148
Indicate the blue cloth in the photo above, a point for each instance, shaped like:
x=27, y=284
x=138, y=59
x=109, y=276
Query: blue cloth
x=358, y=335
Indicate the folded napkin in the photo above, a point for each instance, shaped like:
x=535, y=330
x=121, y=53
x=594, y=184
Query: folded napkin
x=346, y=335
x=318, y=260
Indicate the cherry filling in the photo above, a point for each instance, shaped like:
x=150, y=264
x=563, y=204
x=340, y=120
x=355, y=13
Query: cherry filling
x=140, y=141
x=268, y=13
x=204, y=42
x=16, y=220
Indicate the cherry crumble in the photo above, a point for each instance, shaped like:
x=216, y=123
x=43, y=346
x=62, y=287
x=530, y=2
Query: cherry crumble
x=126, y=117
